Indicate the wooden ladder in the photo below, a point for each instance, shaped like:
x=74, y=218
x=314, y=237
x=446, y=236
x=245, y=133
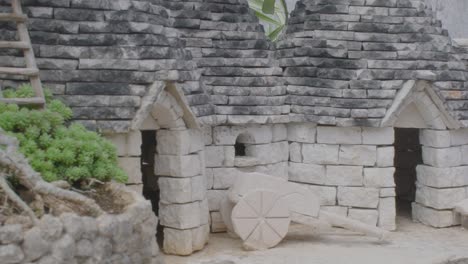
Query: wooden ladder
x=24, y=44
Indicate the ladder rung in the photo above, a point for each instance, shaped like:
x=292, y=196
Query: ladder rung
x=19, y=71
x=23, y=101
x=14, y=45
x=13, y=17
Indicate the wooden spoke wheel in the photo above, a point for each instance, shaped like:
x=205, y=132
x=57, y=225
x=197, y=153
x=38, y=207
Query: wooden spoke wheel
x=261, y=219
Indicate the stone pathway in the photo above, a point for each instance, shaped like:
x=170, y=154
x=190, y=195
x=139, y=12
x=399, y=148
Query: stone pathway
x=412, y=243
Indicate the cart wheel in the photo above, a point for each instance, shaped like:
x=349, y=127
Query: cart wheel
x=261, y=219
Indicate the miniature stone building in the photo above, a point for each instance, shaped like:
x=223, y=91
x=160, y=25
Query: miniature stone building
x=362, y=101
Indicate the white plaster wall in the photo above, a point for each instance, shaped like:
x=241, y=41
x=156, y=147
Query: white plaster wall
x=453, y=14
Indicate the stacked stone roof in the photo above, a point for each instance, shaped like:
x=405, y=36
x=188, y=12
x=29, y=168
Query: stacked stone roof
x=237, y=61
x=345, y=60
x=101, y=56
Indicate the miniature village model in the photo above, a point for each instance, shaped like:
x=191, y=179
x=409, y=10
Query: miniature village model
x=361, y=107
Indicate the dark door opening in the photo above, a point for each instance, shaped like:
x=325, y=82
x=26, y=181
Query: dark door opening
x=150, y=180
x=408, y=154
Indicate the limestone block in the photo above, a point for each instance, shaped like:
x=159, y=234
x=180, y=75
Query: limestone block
x=387, y=214
x=209, y=178
x=134, y=141
x=177, y=242
x=180, y=216
x=442, y=177
x=223, y=178
x=358, y=197
x=11, y=254
x=378, y=136
x=385, y=156
x=439, y=198
x=434, y=218
x=119, y=140
x=435, y=138
x=205, y=212
x=51, y=228
x=132, y=166
x=73, y=225
x=338, y=210
x=214, y=199
x=198, y=188
x=366, y=216
x=358, y=155
x=138, y=188
x=442, y=157
x=242, y=162
x=307, y=173
x=295, y=152
x=387, y=192
x=339, y=135
x=217, y=223
x=179, y=142
x=182, y=190
x=207, y=133
x=320, y=153
x=11, y=234
x=464, y=157
x=304, y=132
x=219, y=156
x=200, y=237
x=459, y=137
x=379, y=177
x=255, y=134
x=64, y=248
x=178, y=166
x=34, y=245
x=344, y=176
x=280, y=170
x=279, y=133
x=269, y=153
x=326, y=194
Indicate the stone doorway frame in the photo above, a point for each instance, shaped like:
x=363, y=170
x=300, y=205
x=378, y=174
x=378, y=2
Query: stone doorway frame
x=179, y=166
x=417, y=105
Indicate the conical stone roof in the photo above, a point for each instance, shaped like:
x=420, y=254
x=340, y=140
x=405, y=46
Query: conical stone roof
x=346, y=60
x=236, y=59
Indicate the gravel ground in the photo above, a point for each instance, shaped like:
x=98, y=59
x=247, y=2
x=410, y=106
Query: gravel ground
x=413, y=243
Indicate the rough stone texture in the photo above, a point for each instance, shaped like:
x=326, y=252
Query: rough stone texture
x=78, y=239
x=435, y=218
x=369, y=217
x=346, y=60
x=358, y=197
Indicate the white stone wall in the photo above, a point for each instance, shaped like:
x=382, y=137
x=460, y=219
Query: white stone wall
x=128, y=237
x=266, y=150
x=350, y=168
x=442, y=181
x=183, y=206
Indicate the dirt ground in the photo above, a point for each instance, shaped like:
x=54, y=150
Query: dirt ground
x=413, y=243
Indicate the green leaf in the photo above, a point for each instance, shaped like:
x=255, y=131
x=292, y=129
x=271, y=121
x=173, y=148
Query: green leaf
x=269, y=6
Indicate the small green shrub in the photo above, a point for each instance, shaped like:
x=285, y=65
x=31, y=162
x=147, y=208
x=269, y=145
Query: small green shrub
x=58, y=151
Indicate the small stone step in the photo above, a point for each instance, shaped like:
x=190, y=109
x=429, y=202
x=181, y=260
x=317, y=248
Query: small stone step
x=14, y=45
x=19, y=71
x=23, y=101
x=13, y=17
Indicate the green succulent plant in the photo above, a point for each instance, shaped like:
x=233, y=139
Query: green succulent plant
x=54, y=149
